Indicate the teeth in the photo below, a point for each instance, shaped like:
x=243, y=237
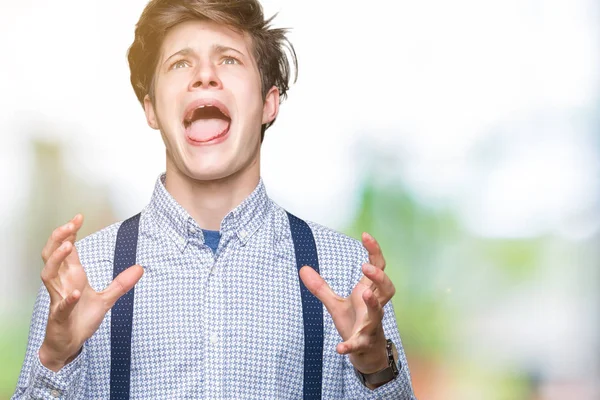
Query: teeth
x=187, y=121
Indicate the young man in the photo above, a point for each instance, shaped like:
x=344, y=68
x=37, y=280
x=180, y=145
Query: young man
x=217, y=311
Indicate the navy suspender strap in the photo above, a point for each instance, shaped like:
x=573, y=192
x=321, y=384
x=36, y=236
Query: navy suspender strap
x=122, y=311
x=312, y=309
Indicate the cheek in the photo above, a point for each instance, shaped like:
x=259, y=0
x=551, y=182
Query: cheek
x=167, y=91
x=248, y=94
x=167, y=114
x=256, y=106
x=251, y=107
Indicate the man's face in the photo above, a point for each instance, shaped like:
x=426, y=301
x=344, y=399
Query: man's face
x=208, y=101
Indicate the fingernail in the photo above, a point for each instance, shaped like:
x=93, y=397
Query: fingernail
x=369, y=269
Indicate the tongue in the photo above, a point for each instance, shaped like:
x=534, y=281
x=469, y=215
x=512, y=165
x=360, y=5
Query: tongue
x=205, y=129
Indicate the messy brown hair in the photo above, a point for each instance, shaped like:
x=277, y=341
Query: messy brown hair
x=270, y=46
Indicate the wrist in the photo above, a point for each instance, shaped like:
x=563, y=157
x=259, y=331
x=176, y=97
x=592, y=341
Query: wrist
x=372, y=360
x=384, y=375
x=53, y=360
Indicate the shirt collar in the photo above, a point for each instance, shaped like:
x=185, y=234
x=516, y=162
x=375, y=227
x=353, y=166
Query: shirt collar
x=243, y=221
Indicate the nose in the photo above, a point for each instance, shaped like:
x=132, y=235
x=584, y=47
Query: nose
x=206, y=77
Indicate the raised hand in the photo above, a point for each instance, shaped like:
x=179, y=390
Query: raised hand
x=76, y=310
x=358, y=318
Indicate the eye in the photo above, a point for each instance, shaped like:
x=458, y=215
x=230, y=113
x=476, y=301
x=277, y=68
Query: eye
x=230, y=60
x=180, y=64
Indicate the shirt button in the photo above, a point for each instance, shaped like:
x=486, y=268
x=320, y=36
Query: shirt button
x=55, y=393
x=214, y=338
x=182, y=241
x=243, y=234
x=192, y=230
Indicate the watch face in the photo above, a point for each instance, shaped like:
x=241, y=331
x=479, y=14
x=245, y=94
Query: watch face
x=395, y=368
x=393, y=357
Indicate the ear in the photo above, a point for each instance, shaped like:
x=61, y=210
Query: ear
x=150, y=114
x=271, y=106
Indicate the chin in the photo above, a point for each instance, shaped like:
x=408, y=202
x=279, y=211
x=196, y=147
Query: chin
x=208, y=172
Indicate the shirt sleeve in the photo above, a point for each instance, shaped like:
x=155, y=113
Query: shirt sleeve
x=399, y=388
x=37, y=381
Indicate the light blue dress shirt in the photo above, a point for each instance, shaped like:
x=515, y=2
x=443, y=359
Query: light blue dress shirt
x=222, y=325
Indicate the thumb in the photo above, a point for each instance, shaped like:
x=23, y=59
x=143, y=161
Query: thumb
x=122, y=284
x=317, y=286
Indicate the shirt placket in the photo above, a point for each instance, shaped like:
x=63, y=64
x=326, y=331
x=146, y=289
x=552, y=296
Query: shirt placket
x=213, y=324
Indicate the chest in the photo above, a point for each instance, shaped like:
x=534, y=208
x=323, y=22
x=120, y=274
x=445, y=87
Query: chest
x=243, y=294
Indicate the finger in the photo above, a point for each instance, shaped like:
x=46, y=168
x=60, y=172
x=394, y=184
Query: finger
x=317, y=286
x=66, y=232
x=51, y=268
x=356, y=344
x=385, y=289
x=347, y=347
x=375, y=253
x=360, y=340
x=67, y=304
x=122, y=284
x=374, y=309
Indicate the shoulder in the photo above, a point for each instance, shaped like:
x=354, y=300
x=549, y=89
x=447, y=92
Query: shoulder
x=99, y=245
x=332, y=243
x=96, y=253
x=340, y=256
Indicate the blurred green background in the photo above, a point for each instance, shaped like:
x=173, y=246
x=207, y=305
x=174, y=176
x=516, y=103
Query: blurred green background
x=472, y=310
x=464, y=136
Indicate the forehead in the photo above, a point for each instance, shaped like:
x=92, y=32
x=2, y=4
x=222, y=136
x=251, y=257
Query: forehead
x=201, y=35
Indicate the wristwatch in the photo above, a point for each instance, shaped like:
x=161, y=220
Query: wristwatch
x=385, y=375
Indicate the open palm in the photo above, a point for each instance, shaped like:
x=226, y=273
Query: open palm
x=76, y=309
x=358, y=318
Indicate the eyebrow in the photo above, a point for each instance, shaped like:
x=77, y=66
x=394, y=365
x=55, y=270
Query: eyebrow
x=217, y=48
x=224, y=49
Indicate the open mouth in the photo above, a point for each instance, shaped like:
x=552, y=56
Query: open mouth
x=206, y=121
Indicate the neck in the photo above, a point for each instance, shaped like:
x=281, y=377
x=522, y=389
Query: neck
x=209, y=201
